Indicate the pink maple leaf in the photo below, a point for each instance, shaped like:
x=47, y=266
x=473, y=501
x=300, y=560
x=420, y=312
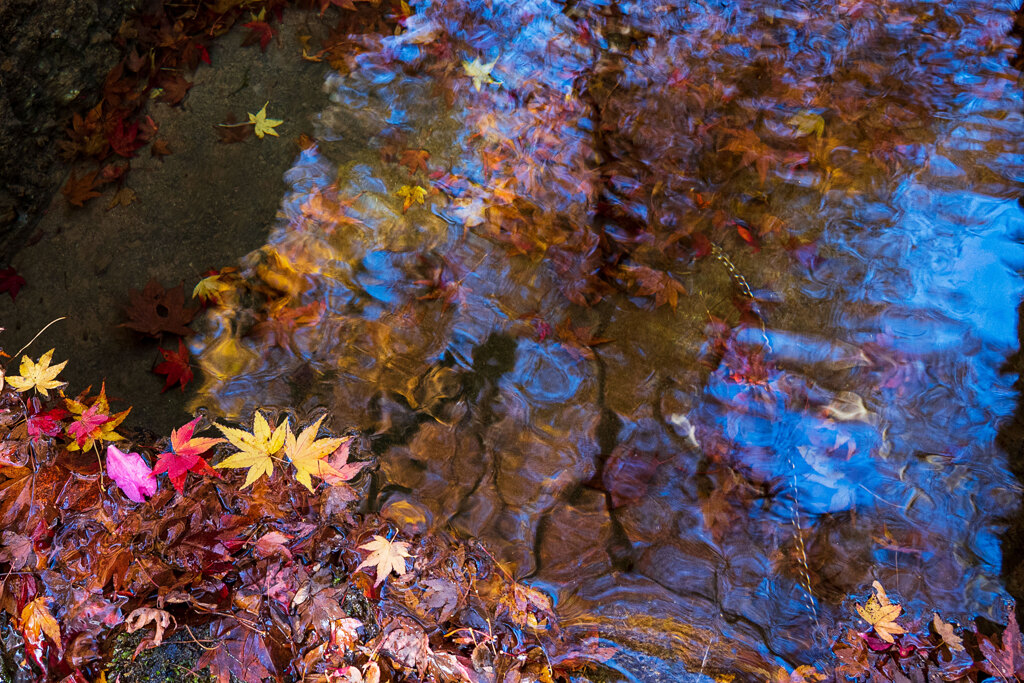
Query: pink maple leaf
x=87, y=423
x=131, y=474
x=186, y=455
x=339, y=461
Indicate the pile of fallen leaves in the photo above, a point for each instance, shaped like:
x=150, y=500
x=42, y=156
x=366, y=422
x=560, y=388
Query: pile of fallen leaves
x=278, y=565
x=162, y=44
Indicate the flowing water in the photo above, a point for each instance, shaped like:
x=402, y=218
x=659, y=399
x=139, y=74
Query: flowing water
x=693, y=311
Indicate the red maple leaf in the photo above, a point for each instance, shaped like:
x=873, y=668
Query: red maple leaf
x=45, y=424
x=124, y=138
x=1006, y=662
x=261, y=31
x=175, y=366
x=185, y=455
x=11, y=282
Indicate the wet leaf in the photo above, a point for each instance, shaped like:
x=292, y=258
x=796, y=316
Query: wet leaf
x=949, y=636
x=881, y=614
x=39, y=376
x=411, y=194
x=36, y=620
x=185, y=455
x=11, y=282
x=257, y=448
x=93, y=422
x=1006, y=661
x=131, y=474
x=143, y=616
x=307, y=454
x=386, y=556
x=79, y=190
x=175, y=366
x=154, y=310
x=261, y=125
x=480, y=72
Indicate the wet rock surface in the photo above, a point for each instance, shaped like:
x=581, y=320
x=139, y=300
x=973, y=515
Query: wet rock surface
x=53, y=59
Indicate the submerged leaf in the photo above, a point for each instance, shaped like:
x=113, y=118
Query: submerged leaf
x=386, y=556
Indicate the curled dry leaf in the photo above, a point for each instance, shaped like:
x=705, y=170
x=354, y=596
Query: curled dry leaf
x=143, y=616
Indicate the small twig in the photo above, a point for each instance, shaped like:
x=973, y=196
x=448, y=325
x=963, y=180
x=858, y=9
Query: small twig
x=36, y=337
x=196, y=640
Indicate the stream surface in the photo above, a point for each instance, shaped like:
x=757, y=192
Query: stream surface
x=699, y=322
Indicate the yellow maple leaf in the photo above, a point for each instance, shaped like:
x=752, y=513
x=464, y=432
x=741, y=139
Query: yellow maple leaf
x=211, y=288
x=387, y=556
x=411, y=193
x=39, y=376
x=881, y=614
x=256, y=448
x=36, y=619
x=262, y=125
x=307, y=454
x=479, y=72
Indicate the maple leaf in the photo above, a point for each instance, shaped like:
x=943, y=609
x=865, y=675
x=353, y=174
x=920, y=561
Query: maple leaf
x=131, y=474
x=123, y=138
x=93, y=422
x=39, y=376
x=175, y=366
x=881, y=614
x=411, y=193
x=387, y=556
x=414, y=159
x=949, y=636
x=11, y=282
x=36, y=619
x=80, y=190
x=154, y=310
x=185, y=455
x=260, y=31
x=406, y=644
x=174, y=88
x=1006, y=662
x=339, y=462
x=307, y=454
x=16, y=550
x=212, y=287
x=45, y=423
x=479, y=72
x=237, y=651
x=256, y=448
x=159, y=149
x=261, y=125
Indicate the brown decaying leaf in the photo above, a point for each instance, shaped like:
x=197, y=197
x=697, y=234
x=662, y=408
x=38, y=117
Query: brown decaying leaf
x=155, y=310
x=79, y=190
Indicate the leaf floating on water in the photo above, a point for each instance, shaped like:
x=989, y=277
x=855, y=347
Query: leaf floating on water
x=881, y=614
x=480, y=72
x=949, y=636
